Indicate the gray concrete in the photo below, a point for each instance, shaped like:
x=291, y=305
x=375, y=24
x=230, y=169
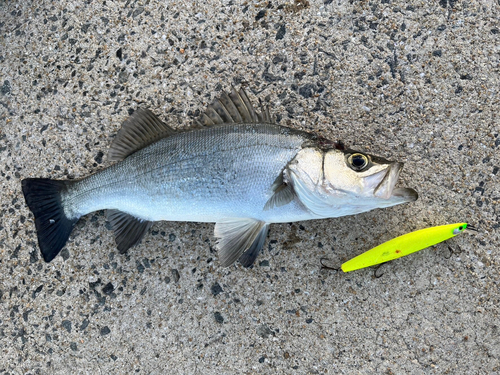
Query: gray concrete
x=413, y=81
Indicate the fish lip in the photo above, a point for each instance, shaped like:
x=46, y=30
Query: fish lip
x=408, y=194
x=385, y=188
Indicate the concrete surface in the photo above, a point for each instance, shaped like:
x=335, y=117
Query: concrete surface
x=412, y=81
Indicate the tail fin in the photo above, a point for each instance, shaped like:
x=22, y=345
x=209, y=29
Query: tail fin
x=43, y=197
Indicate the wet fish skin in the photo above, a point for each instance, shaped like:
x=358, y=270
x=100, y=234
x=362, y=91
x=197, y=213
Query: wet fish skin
x=242, y=172
x=204, y=175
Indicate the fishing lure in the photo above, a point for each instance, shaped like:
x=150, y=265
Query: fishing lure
x=404, y=245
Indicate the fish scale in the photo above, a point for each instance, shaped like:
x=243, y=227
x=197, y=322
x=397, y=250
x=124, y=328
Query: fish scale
x=198, y=169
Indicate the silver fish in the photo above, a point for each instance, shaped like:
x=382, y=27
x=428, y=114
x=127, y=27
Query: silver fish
x=239, y=170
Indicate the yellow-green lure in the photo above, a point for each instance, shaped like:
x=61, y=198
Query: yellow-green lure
x=404, y=245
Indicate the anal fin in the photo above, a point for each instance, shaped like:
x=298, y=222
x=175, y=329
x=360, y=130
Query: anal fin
x=128, y=229
x=238, y=235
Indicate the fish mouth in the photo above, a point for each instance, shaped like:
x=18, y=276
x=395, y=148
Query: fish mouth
x=386, y=188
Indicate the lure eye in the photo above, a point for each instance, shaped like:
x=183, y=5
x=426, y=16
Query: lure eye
x=458, y=230
x=358, y=162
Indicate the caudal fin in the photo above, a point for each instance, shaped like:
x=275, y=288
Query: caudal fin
x=53, y=228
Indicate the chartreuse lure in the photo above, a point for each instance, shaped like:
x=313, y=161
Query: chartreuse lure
x=404, y=245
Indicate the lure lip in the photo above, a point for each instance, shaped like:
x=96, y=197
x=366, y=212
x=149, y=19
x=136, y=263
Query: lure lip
x=467, y=226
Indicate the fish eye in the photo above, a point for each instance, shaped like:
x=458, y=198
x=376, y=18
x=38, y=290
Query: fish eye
x=358, y=162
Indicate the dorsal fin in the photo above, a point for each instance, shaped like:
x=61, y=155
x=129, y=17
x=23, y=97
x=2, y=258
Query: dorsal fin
x=138, y=131
x=234, y=107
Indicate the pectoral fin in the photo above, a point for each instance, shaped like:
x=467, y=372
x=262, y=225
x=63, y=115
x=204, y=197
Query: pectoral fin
x=282, y=193
x=238, y=235
x=128, y=229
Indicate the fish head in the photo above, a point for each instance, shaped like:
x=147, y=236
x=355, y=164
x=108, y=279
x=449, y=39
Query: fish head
x=335, y=183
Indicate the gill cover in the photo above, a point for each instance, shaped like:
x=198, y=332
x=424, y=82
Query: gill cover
x=305, y=172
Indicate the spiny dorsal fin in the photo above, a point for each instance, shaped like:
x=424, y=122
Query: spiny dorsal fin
x=234, y=107
x=128, y=229
x=236, y=236
x=141, y=129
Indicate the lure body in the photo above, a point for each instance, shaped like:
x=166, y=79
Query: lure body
x=404, y=245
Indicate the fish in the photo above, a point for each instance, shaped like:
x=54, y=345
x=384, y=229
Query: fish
x=235, y=167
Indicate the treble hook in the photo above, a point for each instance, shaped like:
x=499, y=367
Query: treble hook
x=323, y=266
x=452, y=251
x=375, y=271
